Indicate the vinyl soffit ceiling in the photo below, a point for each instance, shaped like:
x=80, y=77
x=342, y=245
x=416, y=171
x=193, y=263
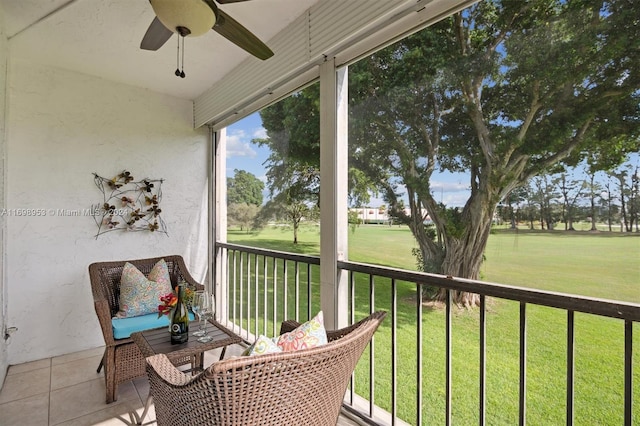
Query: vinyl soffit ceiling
x=102, y=38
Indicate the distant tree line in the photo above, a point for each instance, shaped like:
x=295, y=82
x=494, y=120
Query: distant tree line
x=245, y=207
x=550, y=201
x=244, y=199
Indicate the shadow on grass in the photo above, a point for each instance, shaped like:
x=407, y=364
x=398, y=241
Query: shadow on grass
x=556, y=232
x=400, y=228
x=310, y=249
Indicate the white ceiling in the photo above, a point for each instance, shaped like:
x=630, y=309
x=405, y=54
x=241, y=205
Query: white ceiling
x=102, y=38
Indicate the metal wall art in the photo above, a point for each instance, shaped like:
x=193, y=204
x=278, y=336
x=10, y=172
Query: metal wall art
x=129, y=204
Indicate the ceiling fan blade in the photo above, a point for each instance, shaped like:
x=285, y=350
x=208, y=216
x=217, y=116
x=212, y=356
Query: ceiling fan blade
x=231, y=29
x=156, y=36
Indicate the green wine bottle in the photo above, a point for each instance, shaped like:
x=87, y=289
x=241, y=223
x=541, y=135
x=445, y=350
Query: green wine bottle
x=180, y=320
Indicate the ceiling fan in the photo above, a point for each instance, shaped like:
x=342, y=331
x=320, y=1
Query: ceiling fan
x=194, y=18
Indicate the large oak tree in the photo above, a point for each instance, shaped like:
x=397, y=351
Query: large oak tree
x=503, y=91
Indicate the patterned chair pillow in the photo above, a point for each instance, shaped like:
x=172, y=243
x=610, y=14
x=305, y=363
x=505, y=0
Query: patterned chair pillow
x=308, y=335
x=262, y=345
x=140, y=295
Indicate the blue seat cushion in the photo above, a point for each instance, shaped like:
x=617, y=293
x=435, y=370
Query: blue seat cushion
x=123, y=327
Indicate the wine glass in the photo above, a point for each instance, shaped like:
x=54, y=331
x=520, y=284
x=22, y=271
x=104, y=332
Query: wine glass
x=206, y=311
x=195, y=307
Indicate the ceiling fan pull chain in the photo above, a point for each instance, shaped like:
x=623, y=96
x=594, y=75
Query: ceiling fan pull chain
x=182, y=74
x=178, y=59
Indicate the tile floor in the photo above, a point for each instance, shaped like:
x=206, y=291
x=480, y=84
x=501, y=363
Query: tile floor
x=67, y=391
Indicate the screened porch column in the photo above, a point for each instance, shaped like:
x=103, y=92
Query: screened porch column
x=219, y=214
x=333, y=194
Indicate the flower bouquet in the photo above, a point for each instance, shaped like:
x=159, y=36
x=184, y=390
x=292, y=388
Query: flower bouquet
x=169, y=301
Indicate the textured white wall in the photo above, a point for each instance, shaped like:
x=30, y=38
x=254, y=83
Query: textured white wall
x=3, y=300
x=62, y=127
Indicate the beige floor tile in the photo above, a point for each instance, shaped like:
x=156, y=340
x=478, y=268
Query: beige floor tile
x=29, y=366
x=73, y=402
x=142, y=386
x=26, y=392
x=74, y=372
x=24, y=385
x=151, y=414
x=345, y=421
x=111, y=416
x=89, y=353
x=210, y=357
x=33, y=410
x=232, y=351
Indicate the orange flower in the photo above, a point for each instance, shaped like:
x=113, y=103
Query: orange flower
x=169, y=302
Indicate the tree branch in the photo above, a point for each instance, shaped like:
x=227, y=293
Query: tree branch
x=533, y=110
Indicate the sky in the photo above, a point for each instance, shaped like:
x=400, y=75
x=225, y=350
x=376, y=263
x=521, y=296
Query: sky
x=450, y=189
x=244, y=155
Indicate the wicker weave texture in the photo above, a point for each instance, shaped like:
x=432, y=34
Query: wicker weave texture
x=303, y=387
x=122, y=358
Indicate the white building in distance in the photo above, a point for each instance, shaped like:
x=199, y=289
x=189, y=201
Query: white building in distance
x=378, y=215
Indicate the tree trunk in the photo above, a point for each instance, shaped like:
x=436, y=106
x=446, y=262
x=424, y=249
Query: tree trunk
x=593, y=203
x=460, y=298
x=623, y=206
x=464, y=254
x=593, y=214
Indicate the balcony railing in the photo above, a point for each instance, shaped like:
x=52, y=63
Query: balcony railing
x=264, y=287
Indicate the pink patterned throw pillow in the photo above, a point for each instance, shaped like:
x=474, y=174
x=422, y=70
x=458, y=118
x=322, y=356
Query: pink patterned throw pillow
x=308, y=335
x=140, y=295
x=263, y=345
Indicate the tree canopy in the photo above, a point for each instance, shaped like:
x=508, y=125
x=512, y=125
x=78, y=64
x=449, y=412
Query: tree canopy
x=242, y=215
x=504, y=91
x=244, y=187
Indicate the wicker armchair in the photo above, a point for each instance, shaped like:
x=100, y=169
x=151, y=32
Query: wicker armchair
x=305, y=387
x=122, y=359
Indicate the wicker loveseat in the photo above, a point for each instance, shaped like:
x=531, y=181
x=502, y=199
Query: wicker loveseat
x=122, y=359
x=304, y=387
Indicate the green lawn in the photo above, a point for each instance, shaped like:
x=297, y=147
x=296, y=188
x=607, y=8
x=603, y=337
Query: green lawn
x=599, y=265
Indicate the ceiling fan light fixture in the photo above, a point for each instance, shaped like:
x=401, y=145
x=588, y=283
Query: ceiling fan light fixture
x=195, y=15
